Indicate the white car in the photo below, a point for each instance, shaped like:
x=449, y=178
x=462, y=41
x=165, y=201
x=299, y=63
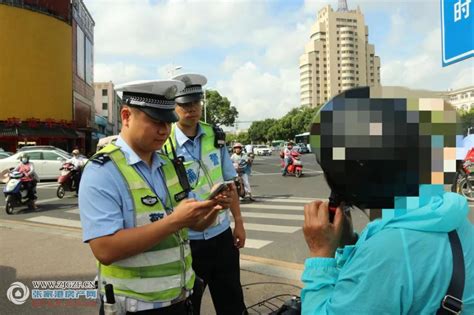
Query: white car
x=262, y=150
x=46, y=162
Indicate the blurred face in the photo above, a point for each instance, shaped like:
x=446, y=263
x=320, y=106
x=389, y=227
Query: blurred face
x=290, y=146
x=189, y=113
x=237, y=150
x=144, y=133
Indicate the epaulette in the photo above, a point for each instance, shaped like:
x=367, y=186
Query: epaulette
x=101, y=158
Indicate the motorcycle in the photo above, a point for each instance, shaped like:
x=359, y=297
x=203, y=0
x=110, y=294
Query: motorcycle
x=239, y=182
x=464, y=182
x=295, y=167
x=16, y=193
x=66, y=180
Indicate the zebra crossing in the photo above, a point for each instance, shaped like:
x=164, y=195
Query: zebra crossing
x=265, y=220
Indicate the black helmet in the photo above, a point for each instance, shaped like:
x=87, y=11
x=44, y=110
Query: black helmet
x=374, y=149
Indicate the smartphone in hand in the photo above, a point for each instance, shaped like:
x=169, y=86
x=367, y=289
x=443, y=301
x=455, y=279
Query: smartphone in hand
x=217, y=190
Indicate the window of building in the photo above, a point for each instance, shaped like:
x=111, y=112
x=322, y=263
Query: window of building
x=104, y=106
x=104, y=92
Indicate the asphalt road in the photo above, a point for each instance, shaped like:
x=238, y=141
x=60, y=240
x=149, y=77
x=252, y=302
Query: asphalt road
x=273, y=222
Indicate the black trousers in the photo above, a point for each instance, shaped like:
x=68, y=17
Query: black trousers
x=216, y=263
x=30, y=186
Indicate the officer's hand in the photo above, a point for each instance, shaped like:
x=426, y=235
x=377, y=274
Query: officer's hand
x=322, y=236
x=190, y=211
x=224, y=199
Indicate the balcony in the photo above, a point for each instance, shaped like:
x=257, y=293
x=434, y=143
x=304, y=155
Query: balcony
x=347, y=53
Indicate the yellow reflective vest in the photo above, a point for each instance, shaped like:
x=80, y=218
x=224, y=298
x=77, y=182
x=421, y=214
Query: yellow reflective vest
x=162, y=273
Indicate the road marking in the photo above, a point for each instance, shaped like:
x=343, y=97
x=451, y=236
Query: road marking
x=288, y=200
x=297, y=217
x=256, y=244
x=311, y=172
x=272, y=207
x=76, y=211
x=270, y=228
x=56, y=221
x=40, y=185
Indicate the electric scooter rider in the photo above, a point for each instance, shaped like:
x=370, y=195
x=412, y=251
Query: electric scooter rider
x=389, y=154
x=78, y=163
x=240, y=158
x=29, y=180
x=286, y=155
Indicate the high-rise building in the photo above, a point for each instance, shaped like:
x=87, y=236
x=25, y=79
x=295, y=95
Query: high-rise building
x=338, y=56
x=107, y=104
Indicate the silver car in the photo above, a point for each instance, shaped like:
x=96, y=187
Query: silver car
x=46, y=162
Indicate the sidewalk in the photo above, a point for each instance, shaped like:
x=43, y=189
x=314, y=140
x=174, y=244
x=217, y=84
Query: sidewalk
x=30, y=252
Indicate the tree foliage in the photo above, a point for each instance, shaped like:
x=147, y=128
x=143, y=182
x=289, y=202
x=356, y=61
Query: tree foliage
x=219, y=110
x=296, y=121
x=467, y=121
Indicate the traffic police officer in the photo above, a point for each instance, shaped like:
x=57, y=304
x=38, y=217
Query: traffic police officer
x=133, y=209
x=216, y=250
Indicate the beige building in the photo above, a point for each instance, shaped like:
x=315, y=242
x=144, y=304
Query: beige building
x=107, y=104
x=462, y=99
x=338, y=56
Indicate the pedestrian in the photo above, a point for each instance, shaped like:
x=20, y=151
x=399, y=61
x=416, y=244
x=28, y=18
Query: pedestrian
x=216, y=250
x=135, y=212
x=395, y=155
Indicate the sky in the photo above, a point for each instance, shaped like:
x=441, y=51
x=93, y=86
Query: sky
x=249, y=49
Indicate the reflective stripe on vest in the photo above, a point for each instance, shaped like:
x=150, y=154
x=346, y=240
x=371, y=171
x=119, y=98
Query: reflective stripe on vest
x=209, y=168
x=162, y=273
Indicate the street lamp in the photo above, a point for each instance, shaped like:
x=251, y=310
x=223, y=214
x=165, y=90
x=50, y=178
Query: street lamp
x=172, y=70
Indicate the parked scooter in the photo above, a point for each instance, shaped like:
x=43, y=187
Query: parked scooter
x=16, y=194
x=296, y=166
x=66, y=180
x=464, y=182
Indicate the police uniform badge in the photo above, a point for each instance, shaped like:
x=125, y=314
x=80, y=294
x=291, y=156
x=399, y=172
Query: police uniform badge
x=149, y=200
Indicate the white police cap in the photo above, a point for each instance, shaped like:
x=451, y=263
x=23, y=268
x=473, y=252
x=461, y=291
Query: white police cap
x=153, y=97
x=193, y=90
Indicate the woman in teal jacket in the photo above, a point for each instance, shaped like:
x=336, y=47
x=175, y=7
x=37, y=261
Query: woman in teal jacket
x=385, y=154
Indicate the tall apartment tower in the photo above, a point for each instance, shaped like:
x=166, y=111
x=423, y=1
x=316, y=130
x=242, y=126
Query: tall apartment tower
x=338, y=56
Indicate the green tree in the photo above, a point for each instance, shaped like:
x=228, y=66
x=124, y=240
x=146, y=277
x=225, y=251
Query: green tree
x=467, y=121
x=258, y=131
x=219, y=110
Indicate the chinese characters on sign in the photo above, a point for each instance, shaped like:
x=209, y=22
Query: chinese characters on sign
x=461, y=7
x=457, y=31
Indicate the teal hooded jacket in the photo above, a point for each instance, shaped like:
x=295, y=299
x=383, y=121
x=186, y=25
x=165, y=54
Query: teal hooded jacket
x=401, y=264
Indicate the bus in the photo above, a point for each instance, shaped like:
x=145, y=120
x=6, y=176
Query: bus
x=303, y=138
x=278, y=144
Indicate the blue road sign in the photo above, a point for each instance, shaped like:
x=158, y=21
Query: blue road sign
x=457, y=30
